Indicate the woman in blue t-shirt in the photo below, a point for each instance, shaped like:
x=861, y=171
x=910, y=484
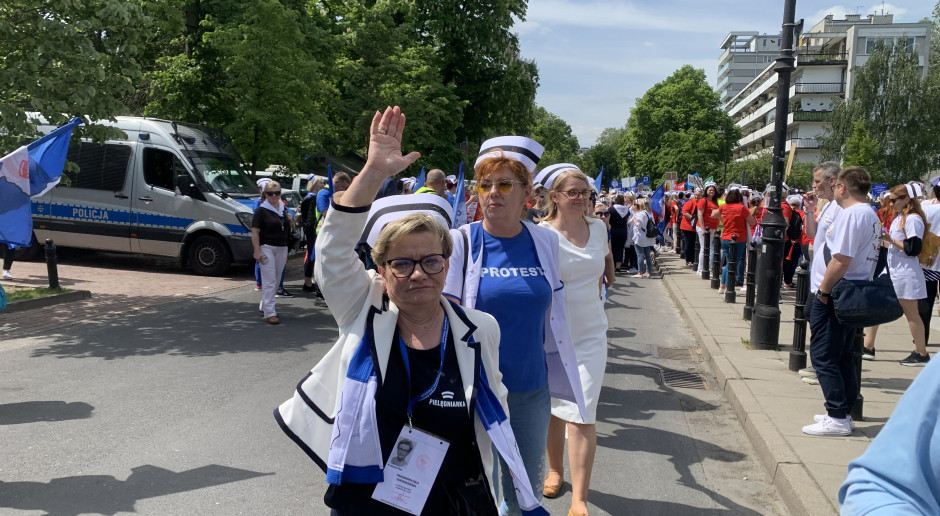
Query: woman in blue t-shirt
x=507, y=267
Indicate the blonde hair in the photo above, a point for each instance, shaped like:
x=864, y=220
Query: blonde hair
x=644, y=204
x=270, y=186
x=408, y=225
x=558, y=187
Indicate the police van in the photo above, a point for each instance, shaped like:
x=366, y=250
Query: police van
x=170, y=189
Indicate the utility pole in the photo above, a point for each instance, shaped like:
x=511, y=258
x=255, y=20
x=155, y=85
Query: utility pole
x=765, y=320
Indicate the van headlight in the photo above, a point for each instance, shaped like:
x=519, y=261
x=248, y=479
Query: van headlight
x=245, y=218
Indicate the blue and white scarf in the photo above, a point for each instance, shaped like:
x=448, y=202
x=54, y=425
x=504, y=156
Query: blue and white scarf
x=356, y=453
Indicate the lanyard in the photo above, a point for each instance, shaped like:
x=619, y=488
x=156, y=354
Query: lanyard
x=427, y=394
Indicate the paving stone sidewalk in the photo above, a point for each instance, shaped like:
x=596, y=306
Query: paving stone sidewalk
x=118, y=284
x=773, y=404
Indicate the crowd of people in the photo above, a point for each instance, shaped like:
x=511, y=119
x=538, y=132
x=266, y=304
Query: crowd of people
x=485, y=346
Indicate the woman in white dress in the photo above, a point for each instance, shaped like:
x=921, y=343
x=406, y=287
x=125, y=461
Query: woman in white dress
x=904, y=241
x=584, y=252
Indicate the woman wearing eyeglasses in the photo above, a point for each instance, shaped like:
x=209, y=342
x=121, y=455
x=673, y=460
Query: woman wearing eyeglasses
x=410, y=397
x=508, y=267
x=585, y=256
x=270, y=230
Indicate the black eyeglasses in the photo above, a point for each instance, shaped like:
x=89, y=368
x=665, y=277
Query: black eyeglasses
x=503, y=186
x=601, y=214
x=273, y=193
x=405, y=267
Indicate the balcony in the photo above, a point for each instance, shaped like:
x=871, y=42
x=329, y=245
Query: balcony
x=826, y=58
x=812, y=116
x=819, y=87
x=805, y=143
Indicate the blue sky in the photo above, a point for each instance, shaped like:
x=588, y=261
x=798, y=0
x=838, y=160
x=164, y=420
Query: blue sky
x=596, y=57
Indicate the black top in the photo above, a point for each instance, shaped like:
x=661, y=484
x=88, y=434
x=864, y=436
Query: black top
x=443, y=414
x=617, y=222
x=274, y=228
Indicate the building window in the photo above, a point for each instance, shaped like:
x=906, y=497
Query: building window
x=871, y=42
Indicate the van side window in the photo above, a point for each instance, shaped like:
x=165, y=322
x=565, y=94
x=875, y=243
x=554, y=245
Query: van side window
x=101, y=166
x=161, y=168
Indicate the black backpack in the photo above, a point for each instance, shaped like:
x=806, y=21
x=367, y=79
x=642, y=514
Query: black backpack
x=795, y=228
x=651, y=230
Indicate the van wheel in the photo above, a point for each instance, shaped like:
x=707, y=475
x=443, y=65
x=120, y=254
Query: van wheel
x=209, y=256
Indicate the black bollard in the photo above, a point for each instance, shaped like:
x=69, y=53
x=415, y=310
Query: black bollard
x=706, y=270
x=798, y=353
x=730, y=295
x=857, y=412
x=716, y=260
x=677, y=238
x=749, y=276
x=51, y=267
x=697, y=249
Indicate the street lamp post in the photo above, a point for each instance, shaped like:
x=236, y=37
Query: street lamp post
x=765, y=320
x=724, y=151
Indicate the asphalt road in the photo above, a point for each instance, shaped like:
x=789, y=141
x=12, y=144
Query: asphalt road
x=167, y=411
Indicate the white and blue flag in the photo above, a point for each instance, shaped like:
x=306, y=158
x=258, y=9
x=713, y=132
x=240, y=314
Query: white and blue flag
x=27, y=172
x=460, y=203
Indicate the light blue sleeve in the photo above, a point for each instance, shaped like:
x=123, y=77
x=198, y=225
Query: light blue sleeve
x=899, y=473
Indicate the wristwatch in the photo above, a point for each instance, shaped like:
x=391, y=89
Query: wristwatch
x=820, y=293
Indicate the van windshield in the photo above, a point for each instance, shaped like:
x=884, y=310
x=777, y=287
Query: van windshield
x=223, y=173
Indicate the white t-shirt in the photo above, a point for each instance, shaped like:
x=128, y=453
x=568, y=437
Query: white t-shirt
x=818, y=268
x=856, y=234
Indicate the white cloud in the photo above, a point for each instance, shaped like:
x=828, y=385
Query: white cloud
x=839, y=11
x=626, y=15
x=529, y=27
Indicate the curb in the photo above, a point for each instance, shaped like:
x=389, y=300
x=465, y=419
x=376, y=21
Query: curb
x=797, y=488
x=41, y=302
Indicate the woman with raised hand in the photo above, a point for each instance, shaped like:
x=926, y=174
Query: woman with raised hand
x=508, y=267
x=584, y=254
x=904, y=241
x=411, y=373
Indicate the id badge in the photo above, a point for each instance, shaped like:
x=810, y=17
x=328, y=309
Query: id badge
x=411, y=469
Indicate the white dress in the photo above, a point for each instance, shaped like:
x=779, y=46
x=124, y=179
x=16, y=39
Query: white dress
x=581, y=270
x=906, y=273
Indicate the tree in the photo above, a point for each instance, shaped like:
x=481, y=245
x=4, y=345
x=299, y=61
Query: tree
x=555, y=135
x=480, y=56
x=64, y=59
x=861, y=150
x=674, y=126
x=604, y=154
x=935, y=40
x=897, y=105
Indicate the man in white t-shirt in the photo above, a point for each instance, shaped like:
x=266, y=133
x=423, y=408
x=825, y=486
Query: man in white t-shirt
x=852, y=240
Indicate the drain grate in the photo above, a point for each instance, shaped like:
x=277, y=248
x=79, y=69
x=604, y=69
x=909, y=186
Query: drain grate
x=683, y=379
x=675, y=353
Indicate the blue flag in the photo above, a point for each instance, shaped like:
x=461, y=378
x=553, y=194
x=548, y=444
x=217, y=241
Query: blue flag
x=419, y=182
x=460, y=201
x=656, y=200
x=598, y=182
x=27, y=172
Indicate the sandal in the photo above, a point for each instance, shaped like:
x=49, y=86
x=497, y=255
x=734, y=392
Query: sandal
x=552, y=490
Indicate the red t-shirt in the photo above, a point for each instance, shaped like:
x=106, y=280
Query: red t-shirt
x=735, y=220
x=804, y=240
x=688, y=207
x=708, y=207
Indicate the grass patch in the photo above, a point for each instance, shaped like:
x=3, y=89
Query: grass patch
x=746, y=342
x=23, y=293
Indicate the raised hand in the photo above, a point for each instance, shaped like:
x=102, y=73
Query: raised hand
x=385, y=143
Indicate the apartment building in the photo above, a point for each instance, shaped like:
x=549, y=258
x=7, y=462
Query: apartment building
x=746, y=54
x=825, y=60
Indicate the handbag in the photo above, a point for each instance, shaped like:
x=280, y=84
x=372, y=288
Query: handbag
x=863, y=303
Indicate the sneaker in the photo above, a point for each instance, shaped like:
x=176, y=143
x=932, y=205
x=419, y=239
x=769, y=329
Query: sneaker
x=868, y=354
x=742, y=289
x=272, y=320
x=722, y=290
x=257, y=287
x=7, y=275
x=916, y=360
x=812, y=380
x=646, y=275
x=808, y=371
x=311, y=288
x=632, y=270
x=829, y=426
x=283, y=293
x=637, y=275
x=819, y=417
